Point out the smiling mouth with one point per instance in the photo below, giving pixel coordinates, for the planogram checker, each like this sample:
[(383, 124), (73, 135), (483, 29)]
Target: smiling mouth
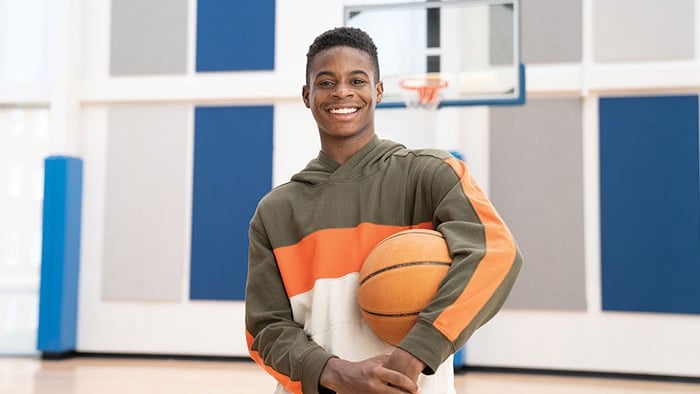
[(343, 111)]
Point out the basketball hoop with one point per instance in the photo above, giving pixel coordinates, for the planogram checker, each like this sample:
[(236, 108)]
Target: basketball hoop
[(422, 91)]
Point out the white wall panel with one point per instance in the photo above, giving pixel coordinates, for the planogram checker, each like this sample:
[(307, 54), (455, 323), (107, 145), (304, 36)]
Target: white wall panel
[(24, 142), (24, 45), (594, 342)]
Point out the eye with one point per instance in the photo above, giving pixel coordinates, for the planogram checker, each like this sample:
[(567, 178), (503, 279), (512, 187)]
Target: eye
[(358, 82), (326, 83)]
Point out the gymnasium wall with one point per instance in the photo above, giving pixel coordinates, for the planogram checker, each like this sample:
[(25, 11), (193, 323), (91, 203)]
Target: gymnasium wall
[(597, 175), (25, 140), (184, 119)]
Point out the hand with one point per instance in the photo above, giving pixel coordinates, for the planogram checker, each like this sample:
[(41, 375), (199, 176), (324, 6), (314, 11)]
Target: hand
[(365, 377)]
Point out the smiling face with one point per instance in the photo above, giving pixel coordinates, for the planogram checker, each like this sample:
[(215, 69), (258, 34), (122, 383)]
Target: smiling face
[(342, 94)]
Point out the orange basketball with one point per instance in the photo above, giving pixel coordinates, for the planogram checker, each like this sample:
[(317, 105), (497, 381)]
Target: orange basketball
[(399, 277)]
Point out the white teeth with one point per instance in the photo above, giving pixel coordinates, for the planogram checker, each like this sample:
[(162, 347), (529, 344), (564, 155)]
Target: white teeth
[(343, 110)]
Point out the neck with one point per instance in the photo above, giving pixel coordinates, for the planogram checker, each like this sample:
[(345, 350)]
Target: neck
[(343, 149)]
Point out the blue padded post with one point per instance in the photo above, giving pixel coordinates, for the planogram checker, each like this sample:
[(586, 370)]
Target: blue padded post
[(60, 255), (460, 358)]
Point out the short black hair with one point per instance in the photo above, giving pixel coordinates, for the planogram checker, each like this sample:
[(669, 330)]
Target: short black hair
[(344, 36)]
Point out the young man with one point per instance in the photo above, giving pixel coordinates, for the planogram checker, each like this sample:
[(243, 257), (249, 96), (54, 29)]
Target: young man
[(310, 236)]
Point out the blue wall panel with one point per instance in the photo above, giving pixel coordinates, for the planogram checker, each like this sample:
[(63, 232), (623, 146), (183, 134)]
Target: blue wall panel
[(235, 35), (232, 171), (60, 255), (650, 204)]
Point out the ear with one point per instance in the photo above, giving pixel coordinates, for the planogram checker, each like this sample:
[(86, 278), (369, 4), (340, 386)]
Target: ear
[(305, 95), (380, 91)]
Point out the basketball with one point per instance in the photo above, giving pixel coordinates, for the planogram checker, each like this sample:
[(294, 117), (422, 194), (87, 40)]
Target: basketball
[(399, 277)]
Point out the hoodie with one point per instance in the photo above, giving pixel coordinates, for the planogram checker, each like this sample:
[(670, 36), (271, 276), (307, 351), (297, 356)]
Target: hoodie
[(310, 236)]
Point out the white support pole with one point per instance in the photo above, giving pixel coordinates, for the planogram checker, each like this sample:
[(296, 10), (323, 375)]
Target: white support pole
[(64, 75)]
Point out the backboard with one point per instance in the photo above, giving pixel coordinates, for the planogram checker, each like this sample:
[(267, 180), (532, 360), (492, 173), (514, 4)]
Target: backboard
[(471, 45)]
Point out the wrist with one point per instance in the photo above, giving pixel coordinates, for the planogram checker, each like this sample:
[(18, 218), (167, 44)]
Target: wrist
[(404, 362), (330, 374)]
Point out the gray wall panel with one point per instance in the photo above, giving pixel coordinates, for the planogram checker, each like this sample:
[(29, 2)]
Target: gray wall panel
[(536, 183), (551, 31), (145, 210), (148, 37), (639, 30), (501, 34)]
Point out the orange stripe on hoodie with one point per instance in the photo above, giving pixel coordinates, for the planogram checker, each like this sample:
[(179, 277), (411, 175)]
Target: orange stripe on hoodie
[(293, 386), (330, 253), (493, 268)]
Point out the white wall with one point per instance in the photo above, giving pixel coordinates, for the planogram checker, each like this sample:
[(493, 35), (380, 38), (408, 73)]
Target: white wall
[(24, 142)]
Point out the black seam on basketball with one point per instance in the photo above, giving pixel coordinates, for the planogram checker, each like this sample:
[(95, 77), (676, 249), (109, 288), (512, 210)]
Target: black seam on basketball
[(375, 273), (390, 314)]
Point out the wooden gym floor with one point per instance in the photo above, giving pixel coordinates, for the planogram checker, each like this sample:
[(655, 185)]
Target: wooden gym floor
[(93, 375)]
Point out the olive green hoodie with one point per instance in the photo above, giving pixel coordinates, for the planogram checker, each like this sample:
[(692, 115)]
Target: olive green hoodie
[(310, 236)]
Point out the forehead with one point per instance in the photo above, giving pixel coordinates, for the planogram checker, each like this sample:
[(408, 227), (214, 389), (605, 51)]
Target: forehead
[(341, 58)]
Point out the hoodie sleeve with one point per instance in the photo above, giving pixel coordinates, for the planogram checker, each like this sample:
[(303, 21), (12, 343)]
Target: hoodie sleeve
[(485, 264), (275, 341)]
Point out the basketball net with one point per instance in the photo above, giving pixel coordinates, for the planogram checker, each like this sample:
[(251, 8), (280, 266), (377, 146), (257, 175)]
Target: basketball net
[(421, 94)]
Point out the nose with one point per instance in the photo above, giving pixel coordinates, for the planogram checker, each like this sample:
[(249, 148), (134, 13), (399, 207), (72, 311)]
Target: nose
[(343, 90)]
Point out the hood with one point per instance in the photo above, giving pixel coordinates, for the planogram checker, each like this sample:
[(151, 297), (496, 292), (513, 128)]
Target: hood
[(366, 161)]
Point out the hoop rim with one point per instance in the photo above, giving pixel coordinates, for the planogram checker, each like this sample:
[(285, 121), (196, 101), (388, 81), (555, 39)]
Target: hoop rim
[(426, 87), (421, 81)]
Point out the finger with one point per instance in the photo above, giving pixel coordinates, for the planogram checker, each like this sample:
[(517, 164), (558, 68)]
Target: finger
[(399, 381), (394, 389)]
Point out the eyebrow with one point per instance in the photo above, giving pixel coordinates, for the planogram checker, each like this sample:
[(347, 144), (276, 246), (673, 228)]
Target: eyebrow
[(332, 74)]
